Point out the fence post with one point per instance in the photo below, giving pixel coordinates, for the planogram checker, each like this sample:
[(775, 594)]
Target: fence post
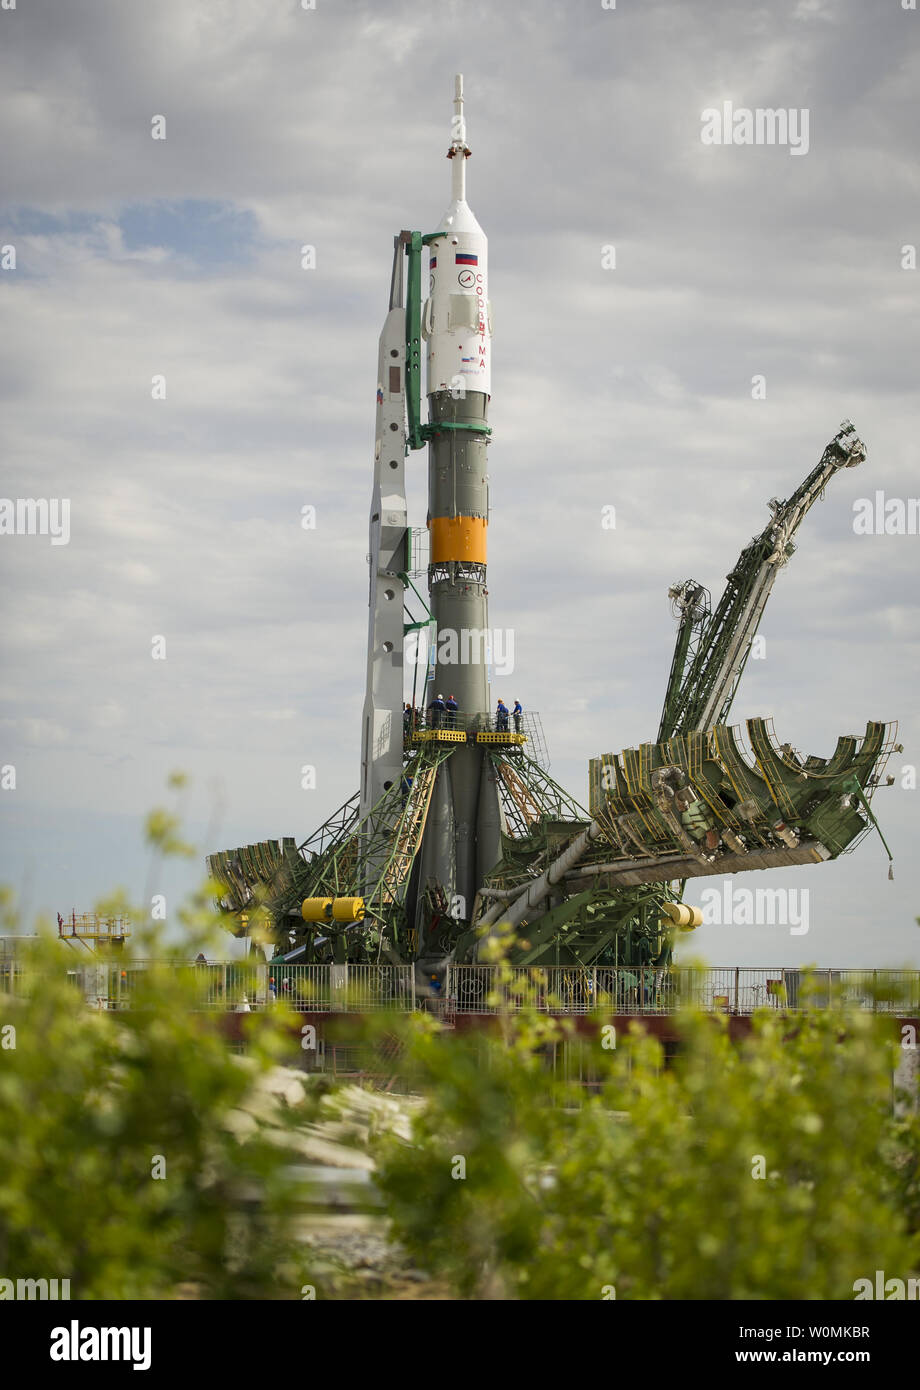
[(737, 973), (411, 969)]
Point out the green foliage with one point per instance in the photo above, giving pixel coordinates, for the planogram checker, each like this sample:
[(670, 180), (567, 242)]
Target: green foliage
[(903, 1155), (650, 1186), (138, 1155), (162, 831), (140, 1158), (120, 1168)]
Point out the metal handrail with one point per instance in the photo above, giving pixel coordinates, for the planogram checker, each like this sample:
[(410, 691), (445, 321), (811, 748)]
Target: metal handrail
[(229, 986)]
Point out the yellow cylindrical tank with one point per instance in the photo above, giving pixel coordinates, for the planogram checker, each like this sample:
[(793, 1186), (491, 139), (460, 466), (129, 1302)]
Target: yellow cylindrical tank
[(316, 909), (348, 910), (332, 909), (683, 916)]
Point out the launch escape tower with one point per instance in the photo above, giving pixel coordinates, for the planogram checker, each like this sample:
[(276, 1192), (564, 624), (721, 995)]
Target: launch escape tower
[(457, 826)]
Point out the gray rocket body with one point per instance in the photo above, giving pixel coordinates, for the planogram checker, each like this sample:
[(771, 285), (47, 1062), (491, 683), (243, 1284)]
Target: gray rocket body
[(459, 848)]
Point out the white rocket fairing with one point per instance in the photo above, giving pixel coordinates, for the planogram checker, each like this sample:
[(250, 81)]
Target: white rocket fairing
[(457, 318)]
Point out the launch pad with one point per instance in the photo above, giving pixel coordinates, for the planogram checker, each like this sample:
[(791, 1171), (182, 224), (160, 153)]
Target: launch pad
[(457, 829)]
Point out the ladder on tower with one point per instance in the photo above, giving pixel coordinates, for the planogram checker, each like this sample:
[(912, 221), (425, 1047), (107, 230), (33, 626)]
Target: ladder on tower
[(396, 871), (521, 803)]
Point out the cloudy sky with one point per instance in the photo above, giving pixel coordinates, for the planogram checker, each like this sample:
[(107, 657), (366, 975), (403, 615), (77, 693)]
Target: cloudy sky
[(628, 387)]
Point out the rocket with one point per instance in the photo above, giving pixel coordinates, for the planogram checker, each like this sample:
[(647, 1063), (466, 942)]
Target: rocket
[(461, 840)]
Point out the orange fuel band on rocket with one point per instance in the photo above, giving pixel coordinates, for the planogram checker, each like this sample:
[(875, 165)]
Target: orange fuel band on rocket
[(458, 538)]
